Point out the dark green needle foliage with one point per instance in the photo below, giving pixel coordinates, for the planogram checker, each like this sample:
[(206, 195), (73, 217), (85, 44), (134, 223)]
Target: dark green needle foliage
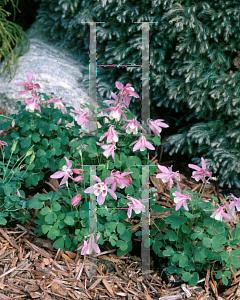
[(194, 66), (13, 40)]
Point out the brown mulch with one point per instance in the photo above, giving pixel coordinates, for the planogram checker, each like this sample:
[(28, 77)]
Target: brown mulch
[(30, 267)]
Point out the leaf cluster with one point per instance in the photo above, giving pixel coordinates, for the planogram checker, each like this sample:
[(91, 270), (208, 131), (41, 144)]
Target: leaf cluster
[(50, 141), (192, 241), (13, 204)]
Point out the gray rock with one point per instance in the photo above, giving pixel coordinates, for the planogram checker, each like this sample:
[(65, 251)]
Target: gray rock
[(53, 68)]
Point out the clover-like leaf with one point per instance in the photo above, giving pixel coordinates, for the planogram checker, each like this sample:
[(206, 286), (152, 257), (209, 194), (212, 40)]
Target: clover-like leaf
[(217, 242), (121, 228), (113, 239), (122, 245), (69, 220), (25, 142), (224, 275), (200, 254), (45, 210), (156, 246), (36, 137), (175, 221), (171, 236), (51, 217), (3, 221), (126, 236), (7, 189), (191, 278), (168, 251), (183, 261), (55, 206), (59, 243)]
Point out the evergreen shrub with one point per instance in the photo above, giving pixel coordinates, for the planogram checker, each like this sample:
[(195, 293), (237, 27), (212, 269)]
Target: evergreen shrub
[(11, 34), (194, 63)]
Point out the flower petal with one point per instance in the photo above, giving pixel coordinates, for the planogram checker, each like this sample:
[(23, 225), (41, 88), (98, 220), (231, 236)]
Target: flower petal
[(58, 174), (69, 164), (100, 199), (30, 76), (111, 192), (96, 178), (119, 85)]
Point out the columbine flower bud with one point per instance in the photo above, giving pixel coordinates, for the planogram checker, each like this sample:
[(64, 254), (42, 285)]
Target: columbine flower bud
[(59, 121), (76, 199), (32, 158), (29, 152), (98, 236), (14, 146), (80, 152)]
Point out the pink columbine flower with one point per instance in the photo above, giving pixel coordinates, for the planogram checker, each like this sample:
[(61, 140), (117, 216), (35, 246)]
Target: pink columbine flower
[(82, 118), (219, 213), (136, 205), (3, 144), (58, 104), (88, 248), (141, 144), (126, 91), (111, 134), (32, 104), (168, 175), (76, 199), (29, 86), (109, 149), (67, 172), (234, 204), (132, 126), (181, 200), (156, 125), (116, 112), (119, 180), (200, 173), (101, 189)]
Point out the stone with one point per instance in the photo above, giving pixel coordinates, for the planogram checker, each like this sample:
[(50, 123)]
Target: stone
[(53, 67)]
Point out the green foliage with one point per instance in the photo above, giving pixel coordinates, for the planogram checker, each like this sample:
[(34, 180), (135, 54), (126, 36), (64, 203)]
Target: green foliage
[(52, 146), (193, 59), (11, 35), (193, 240), (57, 219), (13, 204), (49, 140)]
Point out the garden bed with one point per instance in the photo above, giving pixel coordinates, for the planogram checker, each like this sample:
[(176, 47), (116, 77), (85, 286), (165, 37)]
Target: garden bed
[(32, 269)]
